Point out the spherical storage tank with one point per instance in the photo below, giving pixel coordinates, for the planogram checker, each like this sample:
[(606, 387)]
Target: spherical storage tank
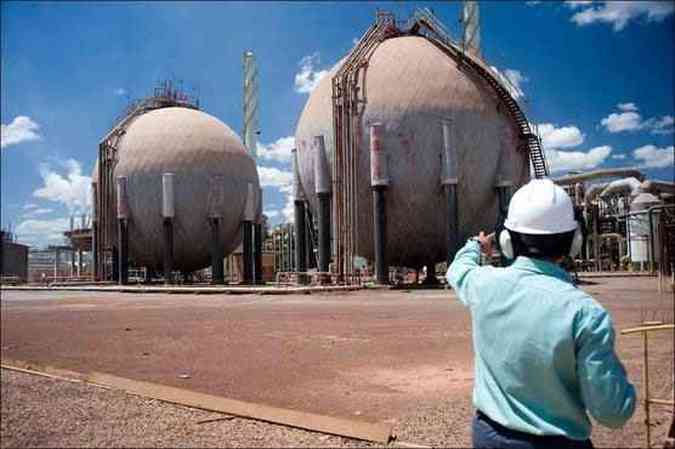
[(411, 86), (201, 152)]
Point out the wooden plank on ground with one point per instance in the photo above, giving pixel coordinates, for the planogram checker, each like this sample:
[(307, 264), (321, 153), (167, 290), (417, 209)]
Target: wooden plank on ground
[(360, 430)]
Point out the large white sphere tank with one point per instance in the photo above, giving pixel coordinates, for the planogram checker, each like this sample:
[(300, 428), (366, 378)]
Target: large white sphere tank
[(411, 86), (196, 147)]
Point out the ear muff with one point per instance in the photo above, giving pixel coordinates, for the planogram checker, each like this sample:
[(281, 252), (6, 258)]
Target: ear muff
[(505, 244), (577, 242)]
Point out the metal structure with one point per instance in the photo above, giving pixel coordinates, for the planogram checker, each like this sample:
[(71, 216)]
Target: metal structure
[(648, 400), (412, 79), (471, 23), (251, 127), (167, 133)]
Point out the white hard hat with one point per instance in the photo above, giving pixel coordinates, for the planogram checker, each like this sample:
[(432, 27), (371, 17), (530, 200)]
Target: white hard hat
[(540, 207)]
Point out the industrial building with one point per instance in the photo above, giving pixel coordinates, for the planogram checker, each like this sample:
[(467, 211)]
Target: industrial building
[(13, 260)]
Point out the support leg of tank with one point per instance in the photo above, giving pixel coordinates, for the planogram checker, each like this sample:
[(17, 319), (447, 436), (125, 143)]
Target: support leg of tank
[(168, 250), (123, 275), (257, 256), (431, 278), (380, 222), (94, 250), (216, 253), (115, 263), (248, 252), (300, 227), (80, 265), (453, 220), (324, 231)]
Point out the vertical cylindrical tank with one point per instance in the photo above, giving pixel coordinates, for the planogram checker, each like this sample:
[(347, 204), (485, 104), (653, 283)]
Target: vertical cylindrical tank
[(638, 226)]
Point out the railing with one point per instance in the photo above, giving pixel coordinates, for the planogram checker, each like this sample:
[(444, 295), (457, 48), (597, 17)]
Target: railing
[(647, 401)]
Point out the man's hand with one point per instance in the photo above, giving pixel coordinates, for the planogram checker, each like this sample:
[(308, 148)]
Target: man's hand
[(486, 243)]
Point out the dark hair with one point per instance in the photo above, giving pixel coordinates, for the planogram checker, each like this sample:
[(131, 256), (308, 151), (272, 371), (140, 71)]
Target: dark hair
[(549, 246)]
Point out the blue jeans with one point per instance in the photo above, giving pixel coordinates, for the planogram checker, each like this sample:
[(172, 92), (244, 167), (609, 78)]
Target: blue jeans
[(490, 434)]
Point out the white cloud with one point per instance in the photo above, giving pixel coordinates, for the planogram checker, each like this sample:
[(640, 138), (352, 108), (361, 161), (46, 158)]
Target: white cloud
[(273, 177), (120, 91), (281, 150), (309, 76), (574, 4), (512, 80), (651, 156), (21, 129), (30, 206), (619, 156), (72, 190), (38, 211), (42, 232), (271, 213), (533, 2), (627, 107), (619, 13), (288, 211), (577, 160), (664, 125), (631, 120), (553, 138), (624, 121)]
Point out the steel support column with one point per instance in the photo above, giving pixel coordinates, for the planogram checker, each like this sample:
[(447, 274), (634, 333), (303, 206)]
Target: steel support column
[(248, 251), (300, 252), (380, 236), (217, 274)]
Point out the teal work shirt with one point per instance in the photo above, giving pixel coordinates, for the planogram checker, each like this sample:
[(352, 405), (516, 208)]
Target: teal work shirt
[(544, 350)]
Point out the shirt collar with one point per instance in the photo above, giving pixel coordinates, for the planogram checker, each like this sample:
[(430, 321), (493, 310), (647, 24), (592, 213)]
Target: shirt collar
[(541, 267)]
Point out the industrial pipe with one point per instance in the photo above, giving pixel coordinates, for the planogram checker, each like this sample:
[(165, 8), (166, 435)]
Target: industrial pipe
[(658, 187), (123, 222), (630, 185), (379, 182), (605, 173), (168, 214), (449, 182), (323, 191)]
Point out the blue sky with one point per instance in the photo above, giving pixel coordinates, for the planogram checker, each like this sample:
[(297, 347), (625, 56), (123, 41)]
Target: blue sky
[(597, 78)]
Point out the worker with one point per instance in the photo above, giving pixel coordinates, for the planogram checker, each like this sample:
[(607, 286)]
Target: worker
[(544, 349)]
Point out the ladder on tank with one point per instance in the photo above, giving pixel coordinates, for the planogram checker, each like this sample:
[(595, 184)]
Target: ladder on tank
[(349, 97), (424, 18)]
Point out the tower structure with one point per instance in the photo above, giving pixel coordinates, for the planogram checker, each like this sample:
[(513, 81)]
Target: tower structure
[(251, 127), (471, 23)]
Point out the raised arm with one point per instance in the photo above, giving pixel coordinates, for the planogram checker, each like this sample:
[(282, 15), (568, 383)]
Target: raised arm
[(462, 270), (608, 395)]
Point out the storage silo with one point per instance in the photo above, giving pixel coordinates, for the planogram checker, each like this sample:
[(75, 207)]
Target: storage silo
[(412, 87)]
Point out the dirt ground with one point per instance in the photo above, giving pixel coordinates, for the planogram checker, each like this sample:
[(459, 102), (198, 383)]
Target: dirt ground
[(403, 357)]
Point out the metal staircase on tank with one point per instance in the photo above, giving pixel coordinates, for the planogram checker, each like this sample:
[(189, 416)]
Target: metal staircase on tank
[(425, 23)]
